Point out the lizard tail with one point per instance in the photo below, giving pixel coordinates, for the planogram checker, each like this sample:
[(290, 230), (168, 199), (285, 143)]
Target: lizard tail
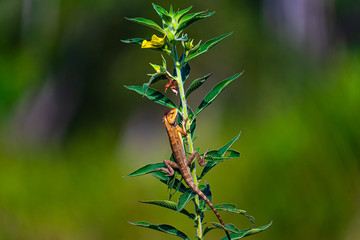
[(203, 196)]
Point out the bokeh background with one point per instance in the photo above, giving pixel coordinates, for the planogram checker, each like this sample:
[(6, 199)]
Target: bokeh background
[(69, 130)]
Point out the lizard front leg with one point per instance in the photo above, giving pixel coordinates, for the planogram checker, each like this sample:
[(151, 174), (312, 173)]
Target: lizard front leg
[(169, 169), (201, 160)]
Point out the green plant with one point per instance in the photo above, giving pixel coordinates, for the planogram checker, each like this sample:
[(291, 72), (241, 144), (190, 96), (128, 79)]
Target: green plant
[(174, 24)]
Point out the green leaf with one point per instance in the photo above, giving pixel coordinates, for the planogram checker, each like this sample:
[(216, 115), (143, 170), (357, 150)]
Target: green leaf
[(158, 67), (180, 13), (164, 15), (162, 228), (206, 190), (171, 11), (146, 169), (216, 157), (228, 227), (192, 128), (226, 207), (146, 22), (185, 71), (242, 233), (170, 205), (220, 155), (134, 40), (153, 95), (209, 165), (206, 46), (222, 151), (184, 199), (163, 61), (190, 18), (161, 11), (155, 78), (153, 170), (165, 179), (210, 97), (196, 84)]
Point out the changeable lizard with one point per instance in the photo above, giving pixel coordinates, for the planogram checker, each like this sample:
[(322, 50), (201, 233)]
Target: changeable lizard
[(175, 133)]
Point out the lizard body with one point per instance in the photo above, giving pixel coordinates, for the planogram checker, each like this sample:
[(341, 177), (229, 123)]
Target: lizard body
[(181, 163)]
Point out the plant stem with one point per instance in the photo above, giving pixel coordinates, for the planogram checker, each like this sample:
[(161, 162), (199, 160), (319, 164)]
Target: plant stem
[(185, 115)]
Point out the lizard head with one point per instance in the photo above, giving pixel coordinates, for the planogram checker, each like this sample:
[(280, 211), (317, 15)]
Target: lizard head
[(170, 116)]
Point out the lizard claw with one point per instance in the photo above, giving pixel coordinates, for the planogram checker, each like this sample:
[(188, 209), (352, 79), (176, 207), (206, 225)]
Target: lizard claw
[(206, 155), (183, 122)]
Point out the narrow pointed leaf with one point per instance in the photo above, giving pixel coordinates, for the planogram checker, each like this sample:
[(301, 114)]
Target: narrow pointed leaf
[(228, 227), (171, 184), (170, 205), (222, 151), (162, 13), (227, 208), (206, 46), (220, 155), (184, 199), (166, 179), (171, 10), (185, 71), (196, 84), (146, 22), (209, 165), (232, 208), (158, 68), (163, 61), (207, 192), (246, 232), (192, 128), (216, 157), (137, 41), (210, 97), (146, 169), (160, 10), (153, 95), (156, 77), (191, 18), (178, 184), (162, 228), (182, 12)]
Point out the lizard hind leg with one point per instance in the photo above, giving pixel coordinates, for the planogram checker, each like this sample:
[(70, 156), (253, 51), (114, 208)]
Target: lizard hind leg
[(201, 160), (169, 169)]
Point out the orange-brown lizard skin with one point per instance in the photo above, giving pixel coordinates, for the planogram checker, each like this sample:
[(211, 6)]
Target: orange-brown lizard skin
[(175, 133)]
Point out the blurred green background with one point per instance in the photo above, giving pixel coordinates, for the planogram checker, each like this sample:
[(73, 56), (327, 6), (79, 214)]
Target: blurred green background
[(70, 130)]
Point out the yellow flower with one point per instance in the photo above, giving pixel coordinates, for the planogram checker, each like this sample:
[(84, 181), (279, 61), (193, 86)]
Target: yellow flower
[(155, 42)]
